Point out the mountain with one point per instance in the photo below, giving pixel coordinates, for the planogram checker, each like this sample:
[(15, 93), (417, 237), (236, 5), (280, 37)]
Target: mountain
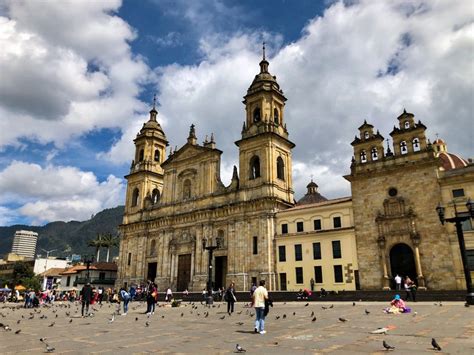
[(68, 237)]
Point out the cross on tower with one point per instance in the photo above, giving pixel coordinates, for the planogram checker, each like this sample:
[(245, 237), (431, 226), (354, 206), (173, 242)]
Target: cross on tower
[(263, 50), (154, 101)]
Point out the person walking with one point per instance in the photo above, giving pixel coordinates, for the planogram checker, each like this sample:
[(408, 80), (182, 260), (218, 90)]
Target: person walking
[(169, 295), (311, 282), (150, 299), (410, 289), (230, 298), (398, 282), (258, 300), (125, 296), (86, 297)]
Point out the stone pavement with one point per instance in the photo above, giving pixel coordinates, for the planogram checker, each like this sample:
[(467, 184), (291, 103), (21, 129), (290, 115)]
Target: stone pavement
[(187, 330)]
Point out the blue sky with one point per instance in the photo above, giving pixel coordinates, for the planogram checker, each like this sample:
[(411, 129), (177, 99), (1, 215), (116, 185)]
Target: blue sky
[(72, 100)]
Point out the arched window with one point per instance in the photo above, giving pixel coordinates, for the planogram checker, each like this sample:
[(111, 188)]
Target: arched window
[(256, 114), (135, 197), (366, 135), (280, 169), (363, 157), (141, 155), (276, 116), (403, 147), (153, 247), (254, 167), (187, 188), (407, 124), (157, 155), (155, 196), (416, 144), (374, 153)]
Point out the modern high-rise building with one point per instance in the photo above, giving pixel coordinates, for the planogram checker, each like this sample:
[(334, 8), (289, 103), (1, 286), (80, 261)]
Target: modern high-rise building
[(24, 243)]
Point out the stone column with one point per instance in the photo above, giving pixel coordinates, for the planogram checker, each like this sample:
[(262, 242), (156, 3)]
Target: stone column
[(415, 238), (385, 278)]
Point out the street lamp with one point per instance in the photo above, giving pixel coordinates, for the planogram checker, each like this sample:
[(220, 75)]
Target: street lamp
[(210, 249), (88, 260), (457, 220)]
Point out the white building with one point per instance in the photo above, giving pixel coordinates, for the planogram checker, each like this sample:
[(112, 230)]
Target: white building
[(44, 264), (24, 243)]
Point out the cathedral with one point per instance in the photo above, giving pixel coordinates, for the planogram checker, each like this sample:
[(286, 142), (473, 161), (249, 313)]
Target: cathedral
[(177, 208)]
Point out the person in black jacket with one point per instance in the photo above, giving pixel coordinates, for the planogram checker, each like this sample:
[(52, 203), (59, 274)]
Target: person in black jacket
[(86, 297), (230, 298)]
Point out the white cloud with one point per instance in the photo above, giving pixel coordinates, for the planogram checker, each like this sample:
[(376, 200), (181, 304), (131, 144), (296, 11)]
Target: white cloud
[(56, 193), (66, 71), (364, 61)]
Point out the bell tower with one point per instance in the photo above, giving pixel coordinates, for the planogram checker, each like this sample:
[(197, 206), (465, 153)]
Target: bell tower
[(145, 180), (264, 150)]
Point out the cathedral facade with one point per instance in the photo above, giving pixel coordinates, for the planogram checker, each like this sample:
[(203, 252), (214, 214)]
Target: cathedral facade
[(177, 206)]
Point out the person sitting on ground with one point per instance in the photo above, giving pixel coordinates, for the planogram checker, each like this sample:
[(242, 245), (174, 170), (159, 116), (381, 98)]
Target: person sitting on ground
[(397, 305)]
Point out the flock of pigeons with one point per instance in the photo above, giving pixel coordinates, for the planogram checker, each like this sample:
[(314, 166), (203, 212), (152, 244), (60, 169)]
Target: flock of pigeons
[(196, 309)]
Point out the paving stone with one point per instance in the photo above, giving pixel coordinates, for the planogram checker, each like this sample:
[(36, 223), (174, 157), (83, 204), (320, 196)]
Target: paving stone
[(452, 325)]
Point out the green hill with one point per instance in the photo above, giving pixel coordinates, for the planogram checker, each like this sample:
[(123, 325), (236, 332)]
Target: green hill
[(67, 237)]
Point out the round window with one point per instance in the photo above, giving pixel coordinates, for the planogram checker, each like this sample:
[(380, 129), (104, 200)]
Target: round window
[(392, 192)]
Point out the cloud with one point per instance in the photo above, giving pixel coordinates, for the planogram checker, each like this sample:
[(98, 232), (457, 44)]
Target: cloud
[(56, 192), (171, 39), (71, 75), (349, 65)]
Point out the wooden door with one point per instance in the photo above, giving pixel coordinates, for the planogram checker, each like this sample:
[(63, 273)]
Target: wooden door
[(184, 272)]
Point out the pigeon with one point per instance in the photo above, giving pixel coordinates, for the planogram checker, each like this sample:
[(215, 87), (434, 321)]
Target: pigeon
[(284, 316), (435, 344), (18, 321), (112, 319), (7, 328), (324, 307), (239, 349), (42, 340), (380, 331), (70, 321), (182, 314), (306, 305), (294, 313), (342, 319), (240, 323), (136, 319), (18, 331), (353, 304), (277, 317), (206, 315), (147, 324), (49, 349), (387, 347), (331, 306), (313, 320), (222, 317), (52, 324), (367, 312), (312, 314)]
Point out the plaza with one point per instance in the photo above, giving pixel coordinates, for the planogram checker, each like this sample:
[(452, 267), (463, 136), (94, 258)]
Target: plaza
[(289, 325)]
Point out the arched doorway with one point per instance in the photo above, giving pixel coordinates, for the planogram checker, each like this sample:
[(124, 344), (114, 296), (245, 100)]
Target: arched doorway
[(402, 261)]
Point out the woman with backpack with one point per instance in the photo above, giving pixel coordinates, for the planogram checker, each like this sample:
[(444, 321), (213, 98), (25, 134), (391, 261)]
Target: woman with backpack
[(230, 298)]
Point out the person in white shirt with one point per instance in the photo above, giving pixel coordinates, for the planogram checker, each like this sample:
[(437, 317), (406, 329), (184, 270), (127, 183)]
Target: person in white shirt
[(398, 282), (258, 298)]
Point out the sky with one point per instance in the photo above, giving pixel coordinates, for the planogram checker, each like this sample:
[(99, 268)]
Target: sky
[(77, 80)]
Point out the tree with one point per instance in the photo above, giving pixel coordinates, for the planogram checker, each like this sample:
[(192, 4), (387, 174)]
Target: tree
[(97, 244), (110, 241)]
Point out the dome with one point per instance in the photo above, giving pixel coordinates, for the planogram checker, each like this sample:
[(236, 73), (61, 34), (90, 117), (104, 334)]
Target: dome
[(451, 161), (312, 196)]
